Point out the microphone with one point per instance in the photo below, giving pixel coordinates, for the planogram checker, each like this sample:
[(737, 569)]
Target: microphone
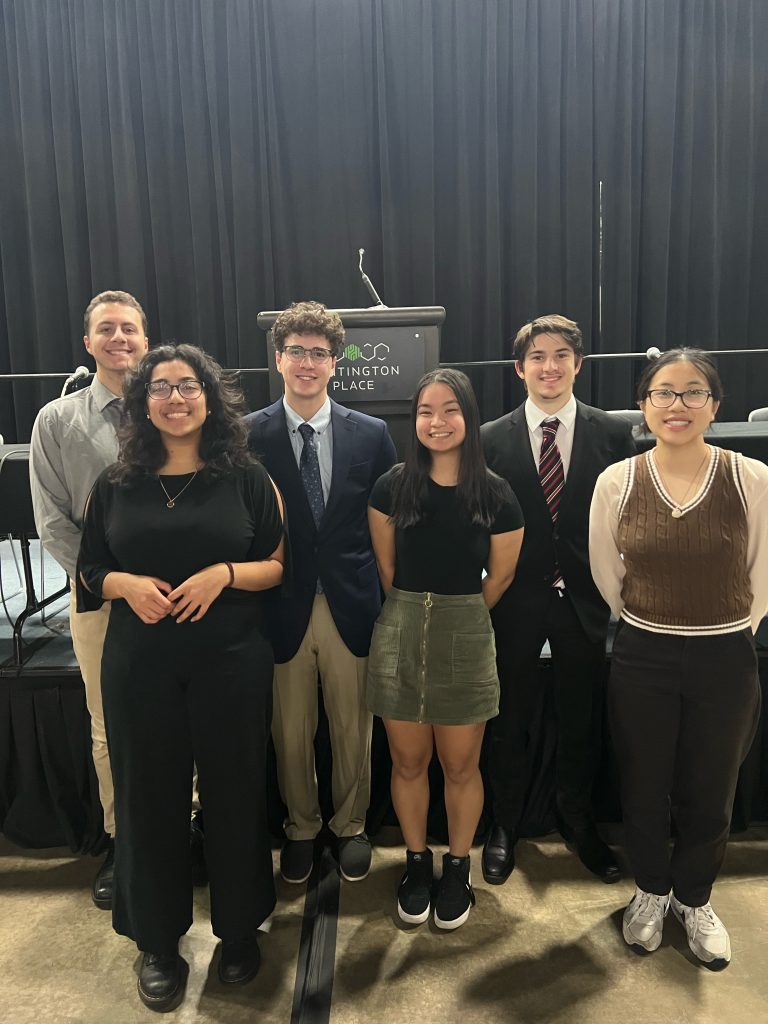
[(80, 373), (653, 353), (367, 282)]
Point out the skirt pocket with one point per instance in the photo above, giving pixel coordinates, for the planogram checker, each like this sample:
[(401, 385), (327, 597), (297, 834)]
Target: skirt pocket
[(473, 658), (384, 655)]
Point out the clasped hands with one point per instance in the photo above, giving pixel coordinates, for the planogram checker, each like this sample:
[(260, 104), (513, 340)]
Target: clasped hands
[(152, 598)]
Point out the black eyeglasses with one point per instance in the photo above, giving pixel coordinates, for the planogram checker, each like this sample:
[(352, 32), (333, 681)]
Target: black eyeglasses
[(162, 389), (297, 353), (694, 398)]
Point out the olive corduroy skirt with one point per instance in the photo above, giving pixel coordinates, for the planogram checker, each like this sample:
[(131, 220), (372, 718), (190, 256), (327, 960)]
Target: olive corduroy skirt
[(433, 660)]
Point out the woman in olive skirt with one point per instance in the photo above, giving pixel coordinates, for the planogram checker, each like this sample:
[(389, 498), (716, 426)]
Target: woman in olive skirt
[(447, 533)]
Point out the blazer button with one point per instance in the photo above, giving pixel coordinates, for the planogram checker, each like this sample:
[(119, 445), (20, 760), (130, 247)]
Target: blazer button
[(547, 578)]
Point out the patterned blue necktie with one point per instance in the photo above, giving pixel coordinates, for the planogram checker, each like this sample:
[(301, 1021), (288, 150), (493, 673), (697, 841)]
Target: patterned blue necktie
[(309, 467)]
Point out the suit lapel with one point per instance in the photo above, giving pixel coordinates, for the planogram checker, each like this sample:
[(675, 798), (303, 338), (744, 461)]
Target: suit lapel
[(582, 428), (344, 430), (529, 470)]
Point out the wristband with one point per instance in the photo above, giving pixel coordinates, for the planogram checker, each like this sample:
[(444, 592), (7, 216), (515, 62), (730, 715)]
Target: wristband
[(231, 574)]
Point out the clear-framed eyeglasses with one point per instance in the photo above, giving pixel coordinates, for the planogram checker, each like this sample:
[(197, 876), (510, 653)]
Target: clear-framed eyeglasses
[(664, 398), (160, 389), (297, 353)]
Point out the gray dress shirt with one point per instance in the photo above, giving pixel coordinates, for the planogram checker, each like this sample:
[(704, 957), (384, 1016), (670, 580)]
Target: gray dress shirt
[(74, 438)]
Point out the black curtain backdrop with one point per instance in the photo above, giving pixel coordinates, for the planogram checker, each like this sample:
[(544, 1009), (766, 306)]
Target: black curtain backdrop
[(219, 157)]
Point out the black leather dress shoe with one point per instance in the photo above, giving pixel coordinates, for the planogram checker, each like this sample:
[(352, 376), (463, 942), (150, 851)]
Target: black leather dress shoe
[(162, 981), (596, 856), (101, 891), (498, 855), (197, 850), (239, 961)]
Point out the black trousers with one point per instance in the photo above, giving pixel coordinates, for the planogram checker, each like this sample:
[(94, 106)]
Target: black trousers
[(579, 677), (173, 694), (683, 713)]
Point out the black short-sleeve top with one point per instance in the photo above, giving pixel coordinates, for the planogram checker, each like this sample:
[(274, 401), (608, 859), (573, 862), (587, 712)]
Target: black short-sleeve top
[(129, 528), (445, 552)]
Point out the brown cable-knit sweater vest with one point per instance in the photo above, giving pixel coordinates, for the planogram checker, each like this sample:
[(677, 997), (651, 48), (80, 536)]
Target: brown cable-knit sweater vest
[(685, 575)]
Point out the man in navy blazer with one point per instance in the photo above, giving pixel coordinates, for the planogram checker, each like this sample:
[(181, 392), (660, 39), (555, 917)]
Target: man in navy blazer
[(553, 596), (325, 459)]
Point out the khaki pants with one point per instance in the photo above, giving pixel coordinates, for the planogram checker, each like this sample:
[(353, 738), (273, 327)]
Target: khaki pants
[(88, 630), (294, 725)]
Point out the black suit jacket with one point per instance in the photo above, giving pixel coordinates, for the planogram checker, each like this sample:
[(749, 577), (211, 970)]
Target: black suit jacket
[(340, 551), (598, 441)]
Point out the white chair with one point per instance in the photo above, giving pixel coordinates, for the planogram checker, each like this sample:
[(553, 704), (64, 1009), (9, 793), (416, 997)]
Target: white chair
[(634, 416), (758, 414)]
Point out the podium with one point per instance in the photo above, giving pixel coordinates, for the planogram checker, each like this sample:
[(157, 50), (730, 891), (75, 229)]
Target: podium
[(386, 351)]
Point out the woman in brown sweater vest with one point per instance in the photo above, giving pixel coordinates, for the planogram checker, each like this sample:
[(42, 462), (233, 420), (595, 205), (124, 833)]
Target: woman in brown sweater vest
[(679, 549)]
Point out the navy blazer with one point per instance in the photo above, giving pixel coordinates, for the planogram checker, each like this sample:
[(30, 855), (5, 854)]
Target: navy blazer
[(339, 552), (599, 440)]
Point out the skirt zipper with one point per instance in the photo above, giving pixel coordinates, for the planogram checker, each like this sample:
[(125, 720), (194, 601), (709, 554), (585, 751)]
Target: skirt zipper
[(424, 631)]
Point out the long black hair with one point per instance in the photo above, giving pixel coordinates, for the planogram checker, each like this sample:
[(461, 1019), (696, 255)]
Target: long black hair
[(224, 440), (479, 490)]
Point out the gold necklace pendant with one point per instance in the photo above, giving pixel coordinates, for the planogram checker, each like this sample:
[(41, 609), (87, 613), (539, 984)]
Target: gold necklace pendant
[(171, 503)]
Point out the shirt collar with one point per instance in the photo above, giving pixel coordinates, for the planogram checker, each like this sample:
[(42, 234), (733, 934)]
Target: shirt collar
[(319, 422), (535, 416), (102, 396)]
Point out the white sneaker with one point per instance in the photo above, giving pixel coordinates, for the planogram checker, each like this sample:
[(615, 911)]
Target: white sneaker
[(644, 921), (707, 935)]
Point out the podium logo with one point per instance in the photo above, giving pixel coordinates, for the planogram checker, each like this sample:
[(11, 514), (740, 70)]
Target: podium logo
[(361, 367), (367, 352)]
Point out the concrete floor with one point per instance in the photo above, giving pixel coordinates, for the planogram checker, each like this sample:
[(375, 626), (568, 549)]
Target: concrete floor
[(546, 947)]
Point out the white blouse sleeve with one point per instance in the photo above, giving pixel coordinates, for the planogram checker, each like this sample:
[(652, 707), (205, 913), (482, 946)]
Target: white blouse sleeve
[(754, 477), (605, 559)]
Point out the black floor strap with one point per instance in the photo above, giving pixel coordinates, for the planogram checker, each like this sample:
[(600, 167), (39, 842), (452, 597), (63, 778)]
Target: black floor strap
[(317, 948)]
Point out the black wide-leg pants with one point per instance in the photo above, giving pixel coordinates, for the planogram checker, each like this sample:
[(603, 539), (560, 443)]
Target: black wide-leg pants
[(579, 678), (174, 694), (683, 713)]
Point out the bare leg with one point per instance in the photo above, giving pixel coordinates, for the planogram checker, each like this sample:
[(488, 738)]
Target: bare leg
[(458, 747), (410, 745)]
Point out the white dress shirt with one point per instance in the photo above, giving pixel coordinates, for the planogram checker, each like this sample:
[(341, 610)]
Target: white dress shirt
[(535, 416)]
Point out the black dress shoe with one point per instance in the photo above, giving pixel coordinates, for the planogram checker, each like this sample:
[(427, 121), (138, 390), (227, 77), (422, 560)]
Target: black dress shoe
[(596, 856), (101, 891), (197, 850), (296, 860), (239, 961), (498, 855), (162, 981)]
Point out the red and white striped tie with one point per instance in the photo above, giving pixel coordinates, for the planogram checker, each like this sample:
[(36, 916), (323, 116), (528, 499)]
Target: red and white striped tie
[(552, 477)]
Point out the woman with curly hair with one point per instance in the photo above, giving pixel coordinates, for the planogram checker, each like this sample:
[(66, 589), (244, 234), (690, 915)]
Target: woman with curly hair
[(182, 534)]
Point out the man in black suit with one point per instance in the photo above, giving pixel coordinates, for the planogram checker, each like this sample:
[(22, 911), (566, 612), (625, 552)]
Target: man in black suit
[(325, 459), (551, 449)]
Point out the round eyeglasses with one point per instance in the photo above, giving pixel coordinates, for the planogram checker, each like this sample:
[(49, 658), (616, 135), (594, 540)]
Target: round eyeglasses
[(187, 389), (664, 398), (297, 353)]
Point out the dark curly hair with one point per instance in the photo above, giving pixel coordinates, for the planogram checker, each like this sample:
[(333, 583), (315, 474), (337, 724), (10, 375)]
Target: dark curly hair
[(224, 442), (309, 318)]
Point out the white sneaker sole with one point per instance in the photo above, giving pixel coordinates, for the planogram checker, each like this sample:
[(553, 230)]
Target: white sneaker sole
[(296, 881), (413, 918), (457, 922), (353, 878)]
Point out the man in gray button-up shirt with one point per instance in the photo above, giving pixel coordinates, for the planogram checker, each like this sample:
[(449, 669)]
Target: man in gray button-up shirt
[(74, 438)]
